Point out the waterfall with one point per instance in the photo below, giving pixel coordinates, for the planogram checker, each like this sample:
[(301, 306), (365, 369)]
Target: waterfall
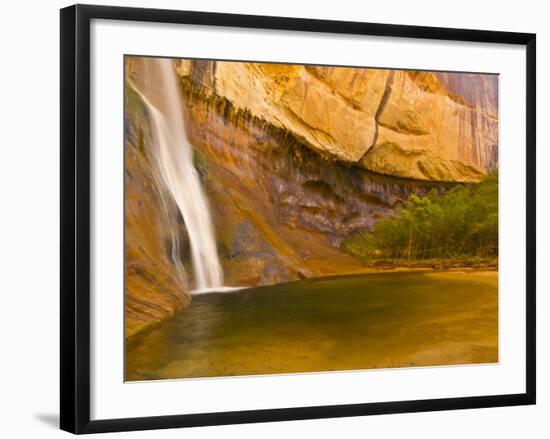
[(174, 155)]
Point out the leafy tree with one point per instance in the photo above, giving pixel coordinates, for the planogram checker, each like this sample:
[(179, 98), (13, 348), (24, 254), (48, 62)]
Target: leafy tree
[(461, 222)]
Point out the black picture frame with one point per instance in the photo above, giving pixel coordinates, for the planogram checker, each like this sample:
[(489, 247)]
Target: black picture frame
[(75, 217)]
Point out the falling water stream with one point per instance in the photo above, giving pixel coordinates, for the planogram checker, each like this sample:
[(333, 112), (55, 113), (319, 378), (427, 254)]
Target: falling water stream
[(174, 155)]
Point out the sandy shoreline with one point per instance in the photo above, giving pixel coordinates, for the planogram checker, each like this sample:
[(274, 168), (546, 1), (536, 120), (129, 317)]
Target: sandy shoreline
[(407, 269)]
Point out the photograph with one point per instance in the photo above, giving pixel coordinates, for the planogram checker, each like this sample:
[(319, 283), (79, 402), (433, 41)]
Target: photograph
[(288, 218), (267, 220)]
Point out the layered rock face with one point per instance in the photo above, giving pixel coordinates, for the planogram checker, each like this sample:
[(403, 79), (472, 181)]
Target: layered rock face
[(419, 125), (280, 210), (155, 282)]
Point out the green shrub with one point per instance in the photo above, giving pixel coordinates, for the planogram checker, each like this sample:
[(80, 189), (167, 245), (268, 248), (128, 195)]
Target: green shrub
[(462, 222)]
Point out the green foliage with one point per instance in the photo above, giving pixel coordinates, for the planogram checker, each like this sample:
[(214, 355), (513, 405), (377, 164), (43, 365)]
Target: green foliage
[(200, 162), (360, 245), (462, 222), (136, 121), (134, 105)]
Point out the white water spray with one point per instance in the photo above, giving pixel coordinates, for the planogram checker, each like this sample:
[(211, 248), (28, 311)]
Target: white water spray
[(174, 154)]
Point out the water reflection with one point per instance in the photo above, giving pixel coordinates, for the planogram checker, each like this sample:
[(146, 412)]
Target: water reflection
[(327, 324)]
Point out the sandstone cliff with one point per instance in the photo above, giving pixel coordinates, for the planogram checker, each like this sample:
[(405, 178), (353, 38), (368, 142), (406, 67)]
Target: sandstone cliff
[(280, 211), (155, 284), (420, 125)]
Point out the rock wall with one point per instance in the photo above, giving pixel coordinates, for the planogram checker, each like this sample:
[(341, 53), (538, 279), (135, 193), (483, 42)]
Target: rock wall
[(419, 125), (280, 209), (155, 284)]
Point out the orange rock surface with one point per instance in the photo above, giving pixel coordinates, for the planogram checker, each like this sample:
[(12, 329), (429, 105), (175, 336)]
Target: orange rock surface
[(420, 125)]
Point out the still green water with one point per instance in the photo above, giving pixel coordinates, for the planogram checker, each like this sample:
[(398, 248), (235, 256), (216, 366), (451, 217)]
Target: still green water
[(338, 323)]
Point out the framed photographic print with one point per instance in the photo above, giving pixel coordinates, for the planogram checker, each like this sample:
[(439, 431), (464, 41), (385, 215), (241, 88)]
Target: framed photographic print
[(269, 218)]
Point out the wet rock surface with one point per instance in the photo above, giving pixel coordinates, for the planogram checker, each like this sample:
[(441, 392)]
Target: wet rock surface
[(280, 209), (155, 284)]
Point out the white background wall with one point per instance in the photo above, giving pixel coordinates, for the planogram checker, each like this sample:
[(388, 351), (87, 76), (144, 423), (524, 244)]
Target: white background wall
[(29, 248)]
